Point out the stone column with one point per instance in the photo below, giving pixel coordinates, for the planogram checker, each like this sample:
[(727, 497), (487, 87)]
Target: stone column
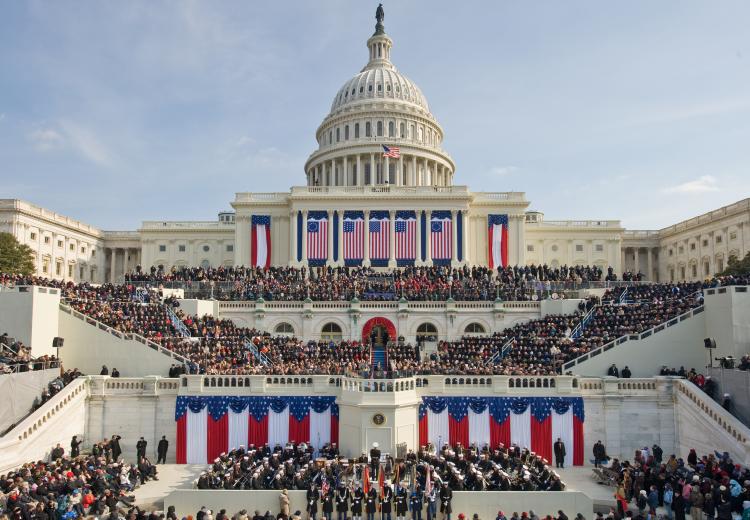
[(636, 259), (372, 169), (341, 238), (292, 237), (330, 237), (360, 173), (304, 237), (366, 259), (414, 177), (386, 171), (333, 173), (112, 260), (649, 265), (427, 242), (418, 235), (400, 178), (346, 172), (454, 238), (392, 240), (465, 236)]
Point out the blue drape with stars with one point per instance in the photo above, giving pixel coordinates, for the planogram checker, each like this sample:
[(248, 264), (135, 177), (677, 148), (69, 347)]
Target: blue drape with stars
[(258, 406)]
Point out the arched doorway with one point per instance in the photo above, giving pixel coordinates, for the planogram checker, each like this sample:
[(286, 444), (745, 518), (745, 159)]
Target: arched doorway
[(376, 333)]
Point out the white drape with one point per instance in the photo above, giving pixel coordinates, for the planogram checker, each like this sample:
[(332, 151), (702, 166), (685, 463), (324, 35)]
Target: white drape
[(562, 427), (320, 428), (520, 428), (197, 436), (261, 246), (479, 427), (437, 427), (238, 426), (278, 427), (497, 245)]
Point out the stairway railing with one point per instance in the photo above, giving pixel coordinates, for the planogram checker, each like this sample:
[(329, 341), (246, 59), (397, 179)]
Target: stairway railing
[(578, 329), (249, 345), (501, 352), (177, 323)]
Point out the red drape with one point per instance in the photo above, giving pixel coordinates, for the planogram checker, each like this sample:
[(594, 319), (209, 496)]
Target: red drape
[(504, 247), (299, 431), (268, 246), (499, 432), (424, 433), (217, 438), (258, 431), (458, 431), (253, 244), (334, 429), (577, 441), (182, 440), (541, 437)]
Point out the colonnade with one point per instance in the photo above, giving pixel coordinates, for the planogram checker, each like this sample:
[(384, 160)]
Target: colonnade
[(368, 170), (458, 250)]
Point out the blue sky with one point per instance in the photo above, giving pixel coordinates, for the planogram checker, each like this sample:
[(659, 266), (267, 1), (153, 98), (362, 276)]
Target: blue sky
[(118, 112)]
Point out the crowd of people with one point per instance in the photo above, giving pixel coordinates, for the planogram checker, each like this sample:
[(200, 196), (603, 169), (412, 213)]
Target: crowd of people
[(709, 487), (345, 283), (68, 487), (16, 357)]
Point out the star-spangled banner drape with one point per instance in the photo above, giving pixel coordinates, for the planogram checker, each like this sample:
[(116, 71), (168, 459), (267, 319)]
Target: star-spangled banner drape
[(441, 237), (260, 241), (354, 237), (379, 233), (531, 422), (317, 237), (406, 237), (209, 426)]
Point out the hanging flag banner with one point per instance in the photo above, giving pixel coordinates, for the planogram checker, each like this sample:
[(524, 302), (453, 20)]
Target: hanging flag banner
[(497, 245), (354, 237), (260, 241), (317, 237), (406, 237), (379, 238)]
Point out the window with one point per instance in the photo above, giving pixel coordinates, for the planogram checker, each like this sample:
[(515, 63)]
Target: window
[(732, 236), (474, 328), (330, 137), (356, 130), (599, 248), (331, 332), (380, 87), (694, 271), (45, 265), (338, 135), (388, 87), (426, 332), (718, 239), (58, 268), (579, 248), (369, 87), (361, 89), (70, 271), (162, 248), (391, 129), (554, 248), (46, 240), (705, 243), (33, 236), (230, 248), (59, 243), (402, 129), (681, 249), (181, 248), (346, 133), (692, 246), (380, 128), (93, 253), (91, 274), (670, 252), (83, 250), (530, 248), (72, 247), (284, 328), (720, 265), (682, 272), (368, 129), (206, 248), (706, 269), (80, 272)]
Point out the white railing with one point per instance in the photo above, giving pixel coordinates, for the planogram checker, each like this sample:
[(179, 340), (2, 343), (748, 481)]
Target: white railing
[(124, 335), (633, 337), (578, 329), (715, 413)]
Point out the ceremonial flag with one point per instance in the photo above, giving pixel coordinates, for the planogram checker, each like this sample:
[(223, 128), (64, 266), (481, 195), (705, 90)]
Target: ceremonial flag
[(497, 246), (354, 237), (379, 237), (391, 151), (441, 236), (406, 237), (317, 236), (260, 241)]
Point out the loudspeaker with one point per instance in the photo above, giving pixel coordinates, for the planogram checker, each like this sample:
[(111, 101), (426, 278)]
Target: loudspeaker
[(709, 343), (57, 342)]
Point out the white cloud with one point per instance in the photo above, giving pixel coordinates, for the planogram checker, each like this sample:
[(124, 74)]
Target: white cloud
[(702, 184), (46, 139), (85, 143), (502, 171)]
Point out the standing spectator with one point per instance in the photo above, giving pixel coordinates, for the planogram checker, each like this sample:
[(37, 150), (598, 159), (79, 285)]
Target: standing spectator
[(559, 450), (678, 506), (284, 502), (446, 497), (626, 372), (114, 445), (600, 454), (105, 371), (75, 446), (161, 450), (115, 372), (140, 448), (613, 371)]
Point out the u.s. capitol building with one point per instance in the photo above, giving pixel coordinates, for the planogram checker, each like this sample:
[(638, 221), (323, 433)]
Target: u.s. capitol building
[(379, 191)]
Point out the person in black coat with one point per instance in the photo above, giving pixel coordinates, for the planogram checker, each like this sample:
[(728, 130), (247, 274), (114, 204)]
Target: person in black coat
[(371, 506), (342, 502), (374, 460), (402, 502), (75, 444), (114, 445), (104, 371), (613, 371), (140, 448), (328, 504), (678, 506), (313, 495), (386, 501), (559, 449), (600, 454), (357, 498), (161, 450), (415, 505), (446, 497)]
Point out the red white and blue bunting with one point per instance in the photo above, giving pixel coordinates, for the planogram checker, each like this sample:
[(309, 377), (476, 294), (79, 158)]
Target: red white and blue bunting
[(533, 422), (209, 426)]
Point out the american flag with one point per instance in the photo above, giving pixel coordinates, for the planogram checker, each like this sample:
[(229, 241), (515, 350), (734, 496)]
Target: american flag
[(406, 234), (354, 233), (317, 238), (379, 237), (391, 151), (441, 237)]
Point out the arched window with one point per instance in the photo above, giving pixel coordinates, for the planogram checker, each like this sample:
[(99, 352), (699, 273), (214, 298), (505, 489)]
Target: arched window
[(368, 129), (331, 332), (426, 332), (380, 128), (403, 131), (205, 264), (391, 130), (284, 328), (338, 135), (346, 133), (356, 130), (474, 328)]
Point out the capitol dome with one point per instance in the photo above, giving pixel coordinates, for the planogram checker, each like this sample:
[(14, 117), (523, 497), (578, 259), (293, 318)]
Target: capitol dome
[(380, 130)]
